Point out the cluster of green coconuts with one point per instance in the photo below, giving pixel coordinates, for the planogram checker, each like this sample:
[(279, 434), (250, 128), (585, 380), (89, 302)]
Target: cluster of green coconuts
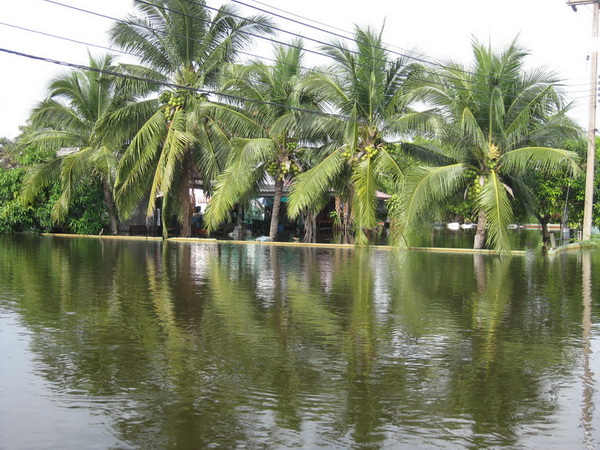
[(362, 155), (474, 188), (281, 168), (173, 100)]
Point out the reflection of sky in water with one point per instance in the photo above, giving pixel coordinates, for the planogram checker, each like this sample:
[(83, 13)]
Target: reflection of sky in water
[(33, 414)]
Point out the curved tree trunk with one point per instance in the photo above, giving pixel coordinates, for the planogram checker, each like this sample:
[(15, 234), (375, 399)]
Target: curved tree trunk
[(276, 208), (110, 206), (479, 242)]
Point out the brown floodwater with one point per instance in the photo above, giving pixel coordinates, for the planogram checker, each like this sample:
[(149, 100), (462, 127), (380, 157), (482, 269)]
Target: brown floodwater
[(146, 344)]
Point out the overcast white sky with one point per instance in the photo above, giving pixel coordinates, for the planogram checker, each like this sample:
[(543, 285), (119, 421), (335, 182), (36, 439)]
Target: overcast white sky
[(556, 36)]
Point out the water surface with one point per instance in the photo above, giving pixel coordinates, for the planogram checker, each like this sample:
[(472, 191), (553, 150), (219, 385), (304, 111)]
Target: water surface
[(144, 344)]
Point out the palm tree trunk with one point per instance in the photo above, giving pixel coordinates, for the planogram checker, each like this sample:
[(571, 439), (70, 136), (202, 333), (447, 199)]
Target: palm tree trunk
[(110, 206), (276, 208), (186, 226), (238, 231), (337, 224), (479, 242), (187, 204), (310, 227), (347, 215), (543, 220)]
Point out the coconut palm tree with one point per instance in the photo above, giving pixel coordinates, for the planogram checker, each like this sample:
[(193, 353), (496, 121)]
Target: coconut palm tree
[(369, 97), (182, 44), (70, 118), (501, 123), (265, 120)]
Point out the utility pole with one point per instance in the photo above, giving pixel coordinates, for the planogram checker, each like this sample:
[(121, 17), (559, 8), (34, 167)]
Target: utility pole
[(588, 203)]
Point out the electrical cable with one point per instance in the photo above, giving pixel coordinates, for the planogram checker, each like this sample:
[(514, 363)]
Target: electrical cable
[(260, 37), (133, 55), (75, 41), (112, 18), (175, 86), (433, 63), (168, 84)]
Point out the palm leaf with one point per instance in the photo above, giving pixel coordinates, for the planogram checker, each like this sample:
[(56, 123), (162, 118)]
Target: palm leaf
[(542, 159), (39, 178), (386, 165), (424, 196), (104, 162), (364, 201), (243, 172), (494, 201), (312, 185), (137, 165), (74, 167)]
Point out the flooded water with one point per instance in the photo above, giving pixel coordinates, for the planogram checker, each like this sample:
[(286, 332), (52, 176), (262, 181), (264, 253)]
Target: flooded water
[(144, 344)]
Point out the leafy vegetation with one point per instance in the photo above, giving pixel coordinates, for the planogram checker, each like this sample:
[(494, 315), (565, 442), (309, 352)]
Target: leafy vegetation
[(488, 143), (500, 124), (264, 124), (183, 44), (67, 124), (88, 214), (372, 95)]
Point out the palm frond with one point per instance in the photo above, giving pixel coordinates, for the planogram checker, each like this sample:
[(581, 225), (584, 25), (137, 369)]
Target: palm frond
[(104, 162), (473, 132), (542, 159), (174, 147), (244, 170), (49, 113), (387, 165), (312, 185), (364, 201), (121, 125), (74, 167), (138, 164), (426, 153), (38, 178), (424, 195), (494, 201), (54, 139)]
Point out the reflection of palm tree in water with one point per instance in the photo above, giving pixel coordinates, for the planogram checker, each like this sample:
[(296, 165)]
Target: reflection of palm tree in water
[(492, 302)]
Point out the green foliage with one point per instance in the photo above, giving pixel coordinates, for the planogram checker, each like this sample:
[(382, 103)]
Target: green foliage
[(500, 124), (14, 215), (88, 214), (375, 94), (577, 186), (71, 120), (177, 144), (545, 195), (264, 130)]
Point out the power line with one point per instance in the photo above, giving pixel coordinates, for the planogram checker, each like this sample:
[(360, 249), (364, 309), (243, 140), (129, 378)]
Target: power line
[(167, 83), (386, 48), (443, 76), (185, 37), (180, 87), (131, 54), (262, 37), (75, 41)]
